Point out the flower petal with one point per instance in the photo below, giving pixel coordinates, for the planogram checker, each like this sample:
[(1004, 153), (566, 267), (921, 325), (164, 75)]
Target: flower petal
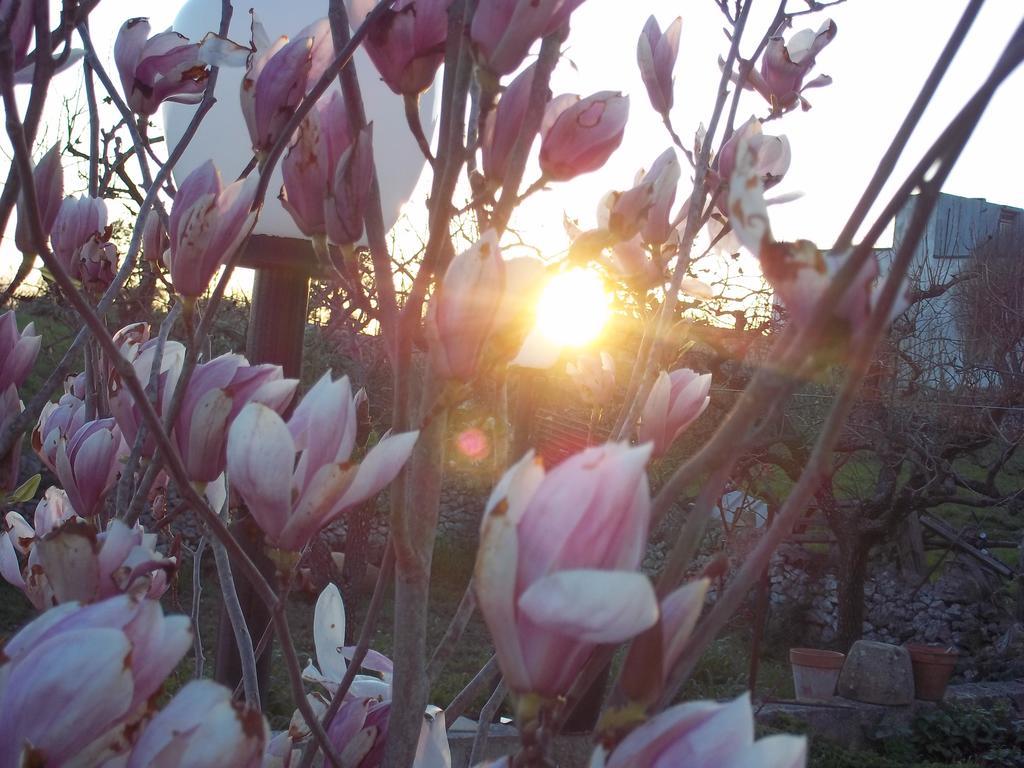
[(260, 461), (384, 461), (329, 633), (495, 583), (592, 606)]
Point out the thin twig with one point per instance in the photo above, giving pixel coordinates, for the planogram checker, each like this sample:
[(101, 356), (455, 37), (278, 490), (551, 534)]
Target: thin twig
[(693, 224), (955, 138), (118, 102), (153, 392), (22, 160), (483, 727), (465, 697), (412, 117), (299, 693), (250, 679), (771, 384), (899, 141), (197, 594), (373, 218), (540, 95), (44, 69), (453, 634), (56, 378)]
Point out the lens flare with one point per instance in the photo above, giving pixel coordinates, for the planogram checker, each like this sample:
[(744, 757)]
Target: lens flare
[(473, 444), (573, 308)]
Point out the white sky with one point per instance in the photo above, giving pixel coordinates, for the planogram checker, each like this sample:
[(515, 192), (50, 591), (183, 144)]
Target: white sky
[(881, 55)]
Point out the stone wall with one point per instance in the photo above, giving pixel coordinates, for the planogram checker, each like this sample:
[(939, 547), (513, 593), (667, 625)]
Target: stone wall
[(962, 608)]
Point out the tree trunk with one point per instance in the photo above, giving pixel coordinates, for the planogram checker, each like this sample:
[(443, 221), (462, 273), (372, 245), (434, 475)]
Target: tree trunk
[(853, 564), (357, 558)]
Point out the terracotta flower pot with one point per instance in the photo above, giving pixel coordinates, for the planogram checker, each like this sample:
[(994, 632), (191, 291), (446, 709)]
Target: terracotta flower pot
[(933, 666), (815, 673)]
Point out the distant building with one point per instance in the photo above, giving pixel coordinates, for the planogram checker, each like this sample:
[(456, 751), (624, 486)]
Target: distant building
[(957, 226)]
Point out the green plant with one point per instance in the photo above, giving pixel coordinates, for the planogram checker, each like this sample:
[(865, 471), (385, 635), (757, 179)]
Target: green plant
[(949, 733), (1004, 757)]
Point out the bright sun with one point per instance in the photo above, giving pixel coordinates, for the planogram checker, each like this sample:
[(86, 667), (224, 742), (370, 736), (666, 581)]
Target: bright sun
[(573, 308)]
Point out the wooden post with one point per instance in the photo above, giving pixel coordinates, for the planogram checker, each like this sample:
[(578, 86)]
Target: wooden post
[(1020, 581), (911, 547), (762, 602), (277, 326), (526, 409)]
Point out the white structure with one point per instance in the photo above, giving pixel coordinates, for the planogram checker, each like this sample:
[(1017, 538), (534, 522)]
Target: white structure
[(397, 156), (739, 507), (956, 227)]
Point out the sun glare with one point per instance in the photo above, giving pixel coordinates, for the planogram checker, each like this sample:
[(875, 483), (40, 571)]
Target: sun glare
[(573, 308)]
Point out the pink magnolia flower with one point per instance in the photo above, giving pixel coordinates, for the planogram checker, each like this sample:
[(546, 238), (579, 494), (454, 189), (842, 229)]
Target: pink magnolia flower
[(216, 393), (96, 264), (656, 56), (331, 653), (556, 572), (360, 731), (18, 351), (18, 14), (52, 511), (799, 272), (628, 259), (88, 464), (127, 339), (155, 241), (278, 75), (652, 656), (463, 308), (635, 264), (309, 166), (504, 125), (786, 64), (48, 178), (406, 43), (646, 208), (101, 663), (704, 734), (281, 752), (594, 374), (503, 30), (77, 221), (57, 421), (67, 560), (675, 402), (123, 406), (202, 727), (19, 537), (298, 477), (525, 277), (580, 138), (349, 190), (164, 67), (207, 224), (772, 153), (16, 537)]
